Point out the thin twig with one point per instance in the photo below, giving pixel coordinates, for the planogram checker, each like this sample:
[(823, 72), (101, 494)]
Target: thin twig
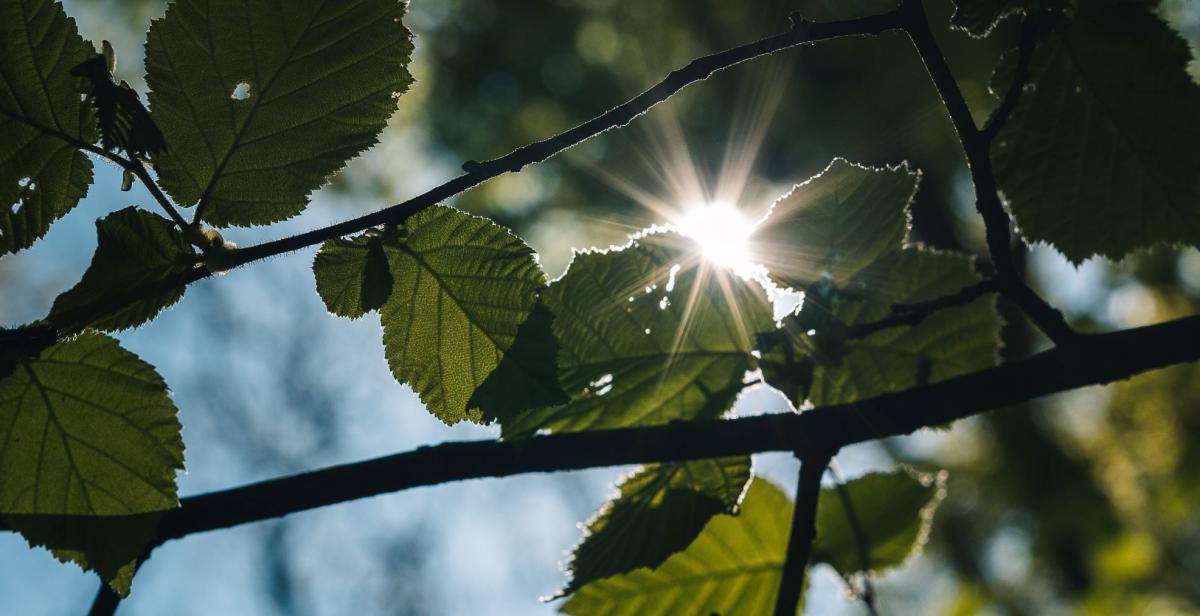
[(803, 532), (133, 166), (912, 314), (1025, 45), (860, 539), (987, 195), (1094, 359)]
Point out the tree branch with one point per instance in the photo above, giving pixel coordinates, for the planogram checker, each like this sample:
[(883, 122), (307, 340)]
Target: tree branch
[(1093, 359), (977, 149), (800, 539)]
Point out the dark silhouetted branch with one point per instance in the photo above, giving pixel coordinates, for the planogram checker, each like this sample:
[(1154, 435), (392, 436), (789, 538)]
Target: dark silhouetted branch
[(976, 147), (912, 314), (1025, 45), (800, 539)]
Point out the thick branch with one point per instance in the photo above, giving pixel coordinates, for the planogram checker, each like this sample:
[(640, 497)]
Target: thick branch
[(800, 539), (1092, 360), (977, 148)]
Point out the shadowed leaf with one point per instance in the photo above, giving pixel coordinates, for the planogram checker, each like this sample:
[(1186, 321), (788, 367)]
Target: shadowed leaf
[(352, 275), (527, 377), (42, 175)]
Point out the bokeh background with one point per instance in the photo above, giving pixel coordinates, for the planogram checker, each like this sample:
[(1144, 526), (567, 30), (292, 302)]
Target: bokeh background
[(1081, 503)]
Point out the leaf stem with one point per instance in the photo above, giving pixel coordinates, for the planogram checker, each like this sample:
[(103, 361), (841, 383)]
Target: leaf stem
[(804, 531), (860, 539), (912, 314), (977, 148)]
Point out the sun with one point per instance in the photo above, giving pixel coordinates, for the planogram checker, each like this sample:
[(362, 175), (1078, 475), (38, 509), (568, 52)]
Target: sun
[(722, 234)]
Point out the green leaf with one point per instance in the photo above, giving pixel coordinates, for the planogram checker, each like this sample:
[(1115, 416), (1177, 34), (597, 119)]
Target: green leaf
[(946, 344), (1099, 157), (108, 545), (42, 174), (527, 377), (462, 287), (137, 251), (887, 521), (658, 511), (88, 429), (836, 224), (979, 17), (733, 568), (352, 275), (649, 335), (261, 102)]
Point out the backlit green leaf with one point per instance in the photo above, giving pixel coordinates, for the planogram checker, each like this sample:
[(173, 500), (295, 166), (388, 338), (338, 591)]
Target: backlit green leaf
[(42, 174), (1100, 155), (658, 511), (836, 224), (978, 17), (649, 335), (733, 568), (527, 377), (352, 275), (462, 287), (887, 521), (139, 253), (88, 430), (261, 102)]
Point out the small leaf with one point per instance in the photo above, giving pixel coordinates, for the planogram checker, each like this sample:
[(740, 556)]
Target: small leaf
[(352, 275), (657, 512), (261, 102), (108, 545), (527, 377), (462, 287), (892, 513), (1099, 157), (733, 568), (89, 429), (42, 174), (649, 335), (836, 224), (979, 17), (139, 254)]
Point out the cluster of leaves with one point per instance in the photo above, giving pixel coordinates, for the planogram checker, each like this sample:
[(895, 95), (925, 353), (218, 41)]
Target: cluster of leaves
[(260, 106)]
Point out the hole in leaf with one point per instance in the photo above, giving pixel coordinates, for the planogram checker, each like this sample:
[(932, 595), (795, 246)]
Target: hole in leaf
[(25, 183), (602, 385), (241, 91)]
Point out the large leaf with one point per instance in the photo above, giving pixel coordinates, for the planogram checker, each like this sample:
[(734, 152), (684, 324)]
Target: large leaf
[(462, 286), (657, 512), (352, 275), (1100, 156), (261, 102), (527, 377), (836, 224), (42, 174), (979, 17), (89, 429), (733, 568), (876, 521), (139, 253), (649, 335)]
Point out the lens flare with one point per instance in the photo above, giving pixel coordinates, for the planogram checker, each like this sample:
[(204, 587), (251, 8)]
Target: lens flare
[(722, 234)]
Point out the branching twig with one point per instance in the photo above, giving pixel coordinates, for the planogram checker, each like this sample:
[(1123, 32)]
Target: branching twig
[(800, 539), (1012, 96), (912, 314), (133, 166), (979, 161)]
